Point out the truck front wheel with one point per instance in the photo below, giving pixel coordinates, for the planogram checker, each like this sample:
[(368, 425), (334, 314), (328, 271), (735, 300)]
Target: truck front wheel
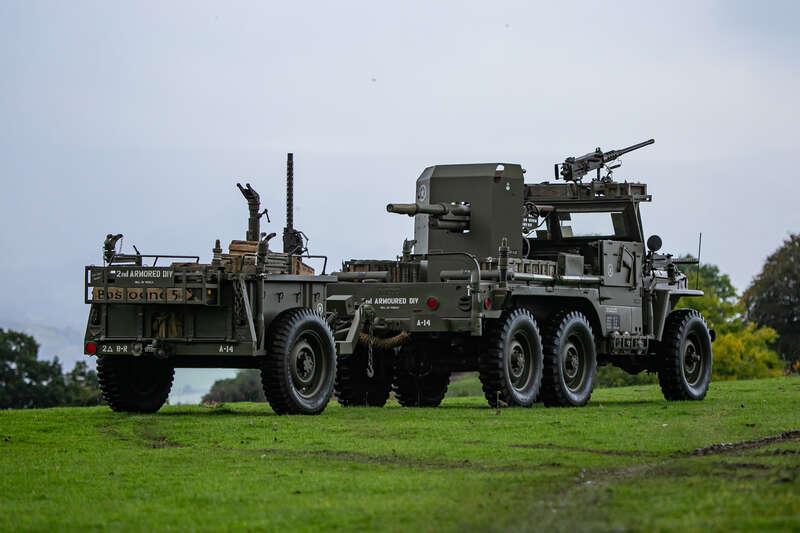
[(300, 366), (511, 363), (570, 360), (685, 356), (134, 384)]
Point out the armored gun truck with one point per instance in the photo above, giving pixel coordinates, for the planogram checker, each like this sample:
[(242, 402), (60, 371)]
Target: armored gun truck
[(250, 307), (531, 285)]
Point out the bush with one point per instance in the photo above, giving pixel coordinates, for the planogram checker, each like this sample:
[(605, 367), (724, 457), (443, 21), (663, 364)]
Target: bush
[(742, 350), (26, 381), (245, 387), (745, 354), (611, 376)]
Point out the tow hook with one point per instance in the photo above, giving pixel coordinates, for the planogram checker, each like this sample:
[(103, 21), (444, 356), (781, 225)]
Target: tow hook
[(159, 350)]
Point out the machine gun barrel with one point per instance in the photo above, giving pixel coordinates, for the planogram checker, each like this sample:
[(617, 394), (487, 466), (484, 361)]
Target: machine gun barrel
[(575, 168), (436, 210), (614, 154), (292, 238)]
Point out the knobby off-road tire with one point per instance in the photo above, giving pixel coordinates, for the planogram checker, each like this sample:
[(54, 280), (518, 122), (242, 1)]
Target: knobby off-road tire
[(417, 383), (134, 384), (685, 356), (300, 366), (511, 363), (570, 360), (354, 388)]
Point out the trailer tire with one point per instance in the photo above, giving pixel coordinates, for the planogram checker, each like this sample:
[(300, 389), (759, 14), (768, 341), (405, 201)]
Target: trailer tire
[(300, 366), (510, 364), (685, 356), (417, 383), (134, 384), (570, 360), (354, 388)]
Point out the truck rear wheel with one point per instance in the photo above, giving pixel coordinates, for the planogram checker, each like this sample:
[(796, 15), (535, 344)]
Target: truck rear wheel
[(134, 384), (300, 366), (570, 360), (511, 364), (685, 354), (354, 387), (416, 382)]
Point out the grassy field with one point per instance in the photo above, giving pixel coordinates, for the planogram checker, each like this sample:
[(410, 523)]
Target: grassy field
[(628, 461)]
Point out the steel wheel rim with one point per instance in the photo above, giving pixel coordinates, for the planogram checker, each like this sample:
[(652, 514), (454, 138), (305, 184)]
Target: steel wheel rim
[(308, 365), (574, 363), (693, 361), (520, 362)]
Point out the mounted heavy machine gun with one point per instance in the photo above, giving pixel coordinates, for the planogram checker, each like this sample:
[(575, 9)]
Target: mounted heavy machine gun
[(575, 168)]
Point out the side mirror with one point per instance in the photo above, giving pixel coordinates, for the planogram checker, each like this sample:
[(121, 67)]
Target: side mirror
[(654, 243)]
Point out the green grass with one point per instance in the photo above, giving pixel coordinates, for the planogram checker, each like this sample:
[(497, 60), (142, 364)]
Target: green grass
[(624, 462)]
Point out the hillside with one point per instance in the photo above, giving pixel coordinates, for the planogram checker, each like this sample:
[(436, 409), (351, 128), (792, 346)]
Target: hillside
[(627, 461)]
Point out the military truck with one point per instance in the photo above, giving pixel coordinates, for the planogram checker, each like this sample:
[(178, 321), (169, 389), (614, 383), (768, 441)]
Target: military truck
[(531, 285), (250, 307)]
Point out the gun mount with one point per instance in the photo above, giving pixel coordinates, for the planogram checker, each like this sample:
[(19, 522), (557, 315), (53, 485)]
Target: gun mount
[(254, 206), (575, 168)]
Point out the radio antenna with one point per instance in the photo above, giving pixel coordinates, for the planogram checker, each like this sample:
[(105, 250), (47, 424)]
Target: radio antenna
[(699, 249)]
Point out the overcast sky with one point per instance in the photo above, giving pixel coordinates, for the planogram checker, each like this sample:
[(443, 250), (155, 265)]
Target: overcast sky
[(138, 117)]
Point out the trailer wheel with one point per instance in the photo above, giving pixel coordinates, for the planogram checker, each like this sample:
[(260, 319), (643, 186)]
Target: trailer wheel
[(570, 360), (300, 366), (416, 382), (354, 387), (134, 384), (685, 356), (511, 363)]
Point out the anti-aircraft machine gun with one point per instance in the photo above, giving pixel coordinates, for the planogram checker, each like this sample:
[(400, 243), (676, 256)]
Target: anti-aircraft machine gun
[(533, 285), (249, 307)]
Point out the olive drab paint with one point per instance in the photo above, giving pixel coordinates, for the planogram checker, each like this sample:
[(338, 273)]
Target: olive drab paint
[(605, 286)]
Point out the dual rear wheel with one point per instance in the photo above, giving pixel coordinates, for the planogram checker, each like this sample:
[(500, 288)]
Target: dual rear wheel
[(519, 365), (408, 373)]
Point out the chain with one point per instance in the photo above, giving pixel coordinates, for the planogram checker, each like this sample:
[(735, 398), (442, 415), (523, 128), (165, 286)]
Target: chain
[(370, 362), (238, 304)]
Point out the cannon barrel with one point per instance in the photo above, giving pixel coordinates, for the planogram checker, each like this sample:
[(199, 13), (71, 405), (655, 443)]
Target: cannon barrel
[(429, 209)]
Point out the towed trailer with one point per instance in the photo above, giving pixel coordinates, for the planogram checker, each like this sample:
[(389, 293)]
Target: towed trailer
[(250, 307)]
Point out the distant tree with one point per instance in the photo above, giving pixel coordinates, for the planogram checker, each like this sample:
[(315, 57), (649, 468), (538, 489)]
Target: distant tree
[(82, 387), (720, 304), (245, 387), (26, 381), (773, 299)]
